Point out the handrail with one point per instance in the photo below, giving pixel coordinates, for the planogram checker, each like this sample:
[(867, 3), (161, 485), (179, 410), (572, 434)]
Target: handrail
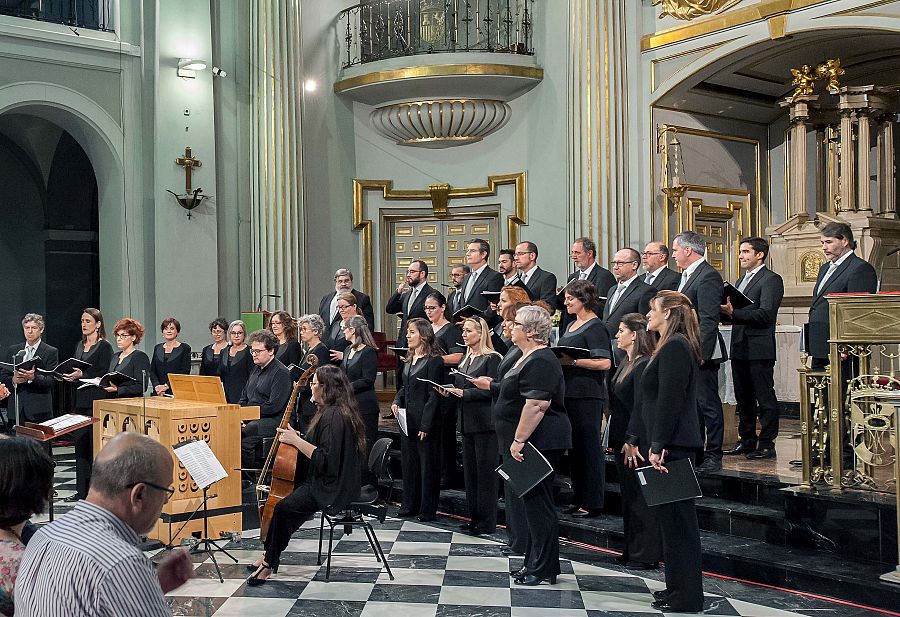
[(89, 14)]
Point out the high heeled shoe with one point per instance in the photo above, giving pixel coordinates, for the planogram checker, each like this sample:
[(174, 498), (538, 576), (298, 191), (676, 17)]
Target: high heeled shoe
[(255, 581), (518, 573), (531, 580)]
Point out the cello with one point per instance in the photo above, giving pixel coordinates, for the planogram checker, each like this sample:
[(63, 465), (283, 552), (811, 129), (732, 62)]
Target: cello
[(282, 459)]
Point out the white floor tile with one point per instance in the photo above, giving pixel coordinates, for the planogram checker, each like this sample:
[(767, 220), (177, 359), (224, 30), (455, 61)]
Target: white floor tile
[(255, 607), (475, 596), (320, 590)]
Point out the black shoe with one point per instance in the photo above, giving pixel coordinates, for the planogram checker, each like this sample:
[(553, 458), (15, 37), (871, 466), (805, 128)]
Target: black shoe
[(640, 565), (255, 581), (762, 454), (741, 447), (709, 465), (621, 559), (664, 606), (531, 580), (425, 518), (662, 594), (519, 573), (592, 513), (572, 509)]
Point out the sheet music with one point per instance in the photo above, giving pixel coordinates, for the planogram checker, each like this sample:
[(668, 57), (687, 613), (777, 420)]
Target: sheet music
[(93, 381), (200, 462), (63, 422), (401, 420)]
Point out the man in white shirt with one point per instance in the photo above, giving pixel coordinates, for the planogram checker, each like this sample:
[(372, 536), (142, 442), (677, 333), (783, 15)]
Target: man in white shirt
[(630, 294), (481, 278), (584, 255), (541, 283), (32, 392), (658, 274), (506, 266)]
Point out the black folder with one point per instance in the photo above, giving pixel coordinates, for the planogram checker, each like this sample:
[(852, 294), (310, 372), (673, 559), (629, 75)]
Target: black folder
[(576, 353), (525, 475), (738, 299), (400, 351), (22, 366), (466, 312), (65, 367), (661, 488)]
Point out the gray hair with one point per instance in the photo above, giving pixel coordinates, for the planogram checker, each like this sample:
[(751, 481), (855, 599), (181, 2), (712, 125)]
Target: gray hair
[(38, 319), (587, 245), (536, 320), (313, 322), (343, 272), (237, 322), (361, 330), (691, 240), (139, 462)]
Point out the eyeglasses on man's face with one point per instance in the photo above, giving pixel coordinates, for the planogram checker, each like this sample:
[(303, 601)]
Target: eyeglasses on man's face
[(649, 253), (616, 264), (256, 352), (169, 491)]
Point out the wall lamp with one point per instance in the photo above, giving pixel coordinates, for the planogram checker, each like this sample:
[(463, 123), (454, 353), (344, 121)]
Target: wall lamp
[(188, 67)]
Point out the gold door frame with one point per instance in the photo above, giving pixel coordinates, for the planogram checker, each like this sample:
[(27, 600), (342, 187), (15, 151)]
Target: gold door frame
[(440, 195)]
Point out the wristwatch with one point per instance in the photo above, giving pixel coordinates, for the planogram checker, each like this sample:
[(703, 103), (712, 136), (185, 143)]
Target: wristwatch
[(575, 362)]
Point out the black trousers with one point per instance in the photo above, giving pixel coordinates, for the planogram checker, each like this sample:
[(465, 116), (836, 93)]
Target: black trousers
[(480, 459), (252, 435), (587, 460), (83, 440), (287, 517), (754, 391), (370, 423), (642, 540), (709, 406), (681, 549), (514, 510), (542, 549), (421, 467), (447, 436)]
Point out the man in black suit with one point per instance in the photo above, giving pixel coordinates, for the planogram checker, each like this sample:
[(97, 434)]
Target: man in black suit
[(481, 278), (584, 254), (659, 275), (30, 389), (844, 273), (753, 351), (630, 294), (540, 283), (343, 283), (409, 299), (506, 266), (703, 285), (457, 274)]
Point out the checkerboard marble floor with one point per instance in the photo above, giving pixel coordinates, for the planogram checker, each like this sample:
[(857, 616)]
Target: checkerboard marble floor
[(441, 573)]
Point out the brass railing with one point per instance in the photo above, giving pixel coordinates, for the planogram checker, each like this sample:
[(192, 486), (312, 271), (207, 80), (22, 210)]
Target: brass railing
[(384, 29), (90, 14)]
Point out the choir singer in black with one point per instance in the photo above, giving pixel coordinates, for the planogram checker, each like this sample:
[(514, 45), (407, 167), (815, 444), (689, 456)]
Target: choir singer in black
[(32, 390), (234, 362), (170, 356), (211, 355), (129, 360)]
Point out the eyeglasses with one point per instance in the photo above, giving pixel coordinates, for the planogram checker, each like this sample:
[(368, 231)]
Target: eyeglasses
[(123, 335), (413, 271), (516, 323), (168, 491), (518, 253), (616, 264), (256, 352), (343, 306), (648, 253), (431, 308)]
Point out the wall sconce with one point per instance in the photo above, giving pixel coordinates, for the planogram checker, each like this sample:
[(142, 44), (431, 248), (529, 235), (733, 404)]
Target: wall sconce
[(671, 164), (188, 67)]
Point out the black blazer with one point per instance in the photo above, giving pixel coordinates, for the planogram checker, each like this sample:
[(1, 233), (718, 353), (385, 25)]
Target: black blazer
[(542, 285), (706, 289), (363, 302), (667, 401), (179, 362), (306, 407), (666, 279), (488, 280), (396, 305), (234, 372), (334, 468), (582, 382), (635, 299), (136, 366), (453, 302), (209, 361), (622, 401), (362, 370), (853, 275), (35, 398), (100, 355), (600, 277), (289, 352), (753, 327), (475, 405), (418, 397)]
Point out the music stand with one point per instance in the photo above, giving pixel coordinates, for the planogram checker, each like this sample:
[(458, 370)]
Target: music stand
[(205, 469)]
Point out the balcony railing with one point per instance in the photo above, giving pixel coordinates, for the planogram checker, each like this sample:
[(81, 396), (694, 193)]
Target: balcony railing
[(391, 28), (90, 14)]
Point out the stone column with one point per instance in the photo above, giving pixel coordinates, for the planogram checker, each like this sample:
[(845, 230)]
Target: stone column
[(799, 114), (847, 176), (887, 187), (863, 146)]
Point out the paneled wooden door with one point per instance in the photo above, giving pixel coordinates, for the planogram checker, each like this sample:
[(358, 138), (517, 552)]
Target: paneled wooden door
[(439, 243)]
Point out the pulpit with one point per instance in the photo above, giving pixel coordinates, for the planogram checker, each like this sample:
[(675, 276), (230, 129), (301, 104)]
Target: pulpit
[(197, 411)]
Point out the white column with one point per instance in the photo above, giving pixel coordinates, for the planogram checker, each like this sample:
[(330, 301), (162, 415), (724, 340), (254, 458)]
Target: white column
[(887, 184), (847, 175), (863, 146)]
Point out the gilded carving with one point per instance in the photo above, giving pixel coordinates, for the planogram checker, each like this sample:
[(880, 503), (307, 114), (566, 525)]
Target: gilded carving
[(805, 78), (830, 71), (809, 266), (689, 9)]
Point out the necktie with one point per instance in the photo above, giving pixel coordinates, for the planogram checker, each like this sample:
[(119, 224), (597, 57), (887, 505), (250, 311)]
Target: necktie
[(29, 353), (684, 279), (334, 310), (470, 285), (746, 280), (649, 278), (831, 268), (412, 297), (582, 276), (619, 288)]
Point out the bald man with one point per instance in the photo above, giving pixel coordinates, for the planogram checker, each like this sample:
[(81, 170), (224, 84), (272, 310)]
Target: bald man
[(88, 562)]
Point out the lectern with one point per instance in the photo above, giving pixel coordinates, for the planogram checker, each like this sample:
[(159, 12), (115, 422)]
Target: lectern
[(197, 411)]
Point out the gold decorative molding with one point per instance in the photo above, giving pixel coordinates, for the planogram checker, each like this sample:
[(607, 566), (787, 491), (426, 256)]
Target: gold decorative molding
[(810, 263), (732, 19), (438, 70), (440, 196), (690, 9)]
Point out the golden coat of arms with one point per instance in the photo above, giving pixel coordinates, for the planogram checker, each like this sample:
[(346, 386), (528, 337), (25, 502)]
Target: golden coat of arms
[(689, 9)]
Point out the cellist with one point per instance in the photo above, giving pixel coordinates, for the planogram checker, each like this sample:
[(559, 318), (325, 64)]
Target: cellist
[(335, 444)]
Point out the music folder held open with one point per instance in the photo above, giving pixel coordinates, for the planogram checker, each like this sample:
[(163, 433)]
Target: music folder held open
[(679, 484), (524, 475)]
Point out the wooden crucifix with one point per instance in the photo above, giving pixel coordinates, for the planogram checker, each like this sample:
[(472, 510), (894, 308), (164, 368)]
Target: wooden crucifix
[(188, 162)]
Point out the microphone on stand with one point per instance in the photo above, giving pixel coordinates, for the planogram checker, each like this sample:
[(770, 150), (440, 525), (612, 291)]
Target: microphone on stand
[(881, 268), (263, 297)]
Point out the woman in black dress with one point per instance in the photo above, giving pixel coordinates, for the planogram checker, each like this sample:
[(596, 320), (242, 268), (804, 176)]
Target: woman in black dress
[(361, 365), (282, 325), (642, 545), (479, 441), (419, 453), (235, 362), (585, 397), (667, 425), (310, 328), (129, 360), (95, 350), (170, 356), (211, 356), (530, 408), (337, 342), (335, 445), (449, 340)]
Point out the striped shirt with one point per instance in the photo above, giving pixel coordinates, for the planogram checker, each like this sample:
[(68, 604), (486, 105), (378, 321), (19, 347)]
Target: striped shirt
[(87, 564)]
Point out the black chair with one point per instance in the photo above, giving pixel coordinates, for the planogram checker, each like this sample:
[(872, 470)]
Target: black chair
[(365, 505)]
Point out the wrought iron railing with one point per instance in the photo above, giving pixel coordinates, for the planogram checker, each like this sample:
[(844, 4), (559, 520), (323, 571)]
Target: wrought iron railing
[(90, 14), (390, 28)]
